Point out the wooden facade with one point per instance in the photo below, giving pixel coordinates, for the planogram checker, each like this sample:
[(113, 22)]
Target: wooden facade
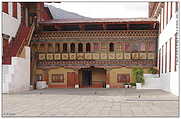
[(87, 57)]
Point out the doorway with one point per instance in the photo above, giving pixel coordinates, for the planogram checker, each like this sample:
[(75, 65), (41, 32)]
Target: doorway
[(86, 78)]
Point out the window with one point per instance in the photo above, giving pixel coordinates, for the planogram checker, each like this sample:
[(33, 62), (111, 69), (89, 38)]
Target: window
[(176, 7), (50, 48), (57, 47), (65, 47), (170, 55), (159, 60), (162, 58), (5, 7), (88, 47), (175, 37), (111, 47), (42, 48), (15, 9), (96, 46), (57, 78), (72, 47), (80, 47), (166, 57), (167, 13), (170, 10)]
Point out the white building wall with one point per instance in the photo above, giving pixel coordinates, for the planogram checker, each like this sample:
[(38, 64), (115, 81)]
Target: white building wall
[(10, 24), (16, 77), (170, 80)]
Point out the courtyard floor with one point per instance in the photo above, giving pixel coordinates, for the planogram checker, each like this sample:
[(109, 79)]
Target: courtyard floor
[(91, 102)]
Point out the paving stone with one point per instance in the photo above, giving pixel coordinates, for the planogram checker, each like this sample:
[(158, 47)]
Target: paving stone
[(109, 103)]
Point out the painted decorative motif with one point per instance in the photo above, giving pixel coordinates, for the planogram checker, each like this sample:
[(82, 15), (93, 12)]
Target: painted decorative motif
[(111, 55), (123, 78), (57, 78), (151, 46), (103, 46), (119, 56), (80, 56), (72, 56), (42, 57), (135, 56), (142, 46), (103, 56), (96, 46), (127, 46), (65, 56), (135, 46), (142, 56), (151, 55), (95, 56), (49, 56), (127, 55), (57, 56), (88, 56)]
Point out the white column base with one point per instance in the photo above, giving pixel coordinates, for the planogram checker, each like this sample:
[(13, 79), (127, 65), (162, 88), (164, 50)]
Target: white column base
[(76, 86), (107, 86)]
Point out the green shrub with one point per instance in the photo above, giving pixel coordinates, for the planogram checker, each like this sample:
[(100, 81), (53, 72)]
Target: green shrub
[(153, 70), (138, 75), (133, 84)]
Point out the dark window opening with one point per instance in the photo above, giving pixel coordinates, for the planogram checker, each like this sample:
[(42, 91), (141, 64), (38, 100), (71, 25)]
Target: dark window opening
[(65, 47), (72, 47), (57, 47), (80, 47), (88, 47), (42, 48), (116, 27), (49, 28), (93, 27), (71, 28), (111, 47), (140, 27), (50, 48)]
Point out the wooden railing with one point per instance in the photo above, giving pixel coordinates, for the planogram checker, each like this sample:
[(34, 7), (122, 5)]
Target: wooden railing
[(27, 39)]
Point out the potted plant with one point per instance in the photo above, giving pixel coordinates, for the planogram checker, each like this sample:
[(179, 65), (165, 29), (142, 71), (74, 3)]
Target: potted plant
[(138, 77), (133, 85), (153, 70), (129, 85), (126, 85)]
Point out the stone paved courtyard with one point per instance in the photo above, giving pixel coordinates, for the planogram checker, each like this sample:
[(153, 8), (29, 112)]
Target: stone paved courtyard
[(91, 103)]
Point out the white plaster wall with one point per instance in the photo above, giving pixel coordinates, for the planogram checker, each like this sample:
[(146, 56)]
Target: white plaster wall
[(170, 80), (10, 24), (152, 81), (16, 77)]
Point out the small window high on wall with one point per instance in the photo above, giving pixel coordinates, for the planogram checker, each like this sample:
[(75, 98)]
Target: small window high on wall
[(5, 7), (80, 47), (88, 47), (65, 47), (72, 47), (57, 47), (111, 47)]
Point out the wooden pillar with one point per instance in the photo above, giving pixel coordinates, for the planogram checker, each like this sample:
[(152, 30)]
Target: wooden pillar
[(77, 81), (108, 76), (46, 76)]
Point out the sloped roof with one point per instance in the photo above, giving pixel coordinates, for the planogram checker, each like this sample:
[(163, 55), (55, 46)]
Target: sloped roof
[(97, 20)]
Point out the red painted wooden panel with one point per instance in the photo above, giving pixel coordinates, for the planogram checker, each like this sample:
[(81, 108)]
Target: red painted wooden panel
[(5, 7), (70, 79), (15, 9), (57, 86)]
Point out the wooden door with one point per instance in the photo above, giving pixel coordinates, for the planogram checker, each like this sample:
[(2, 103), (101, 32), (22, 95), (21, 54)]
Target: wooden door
[(70, 79)]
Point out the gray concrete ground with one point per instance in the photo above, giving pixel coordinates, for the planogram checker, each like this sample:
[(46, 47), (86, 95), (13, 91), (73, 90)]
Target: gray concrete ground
[(91, 103)]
